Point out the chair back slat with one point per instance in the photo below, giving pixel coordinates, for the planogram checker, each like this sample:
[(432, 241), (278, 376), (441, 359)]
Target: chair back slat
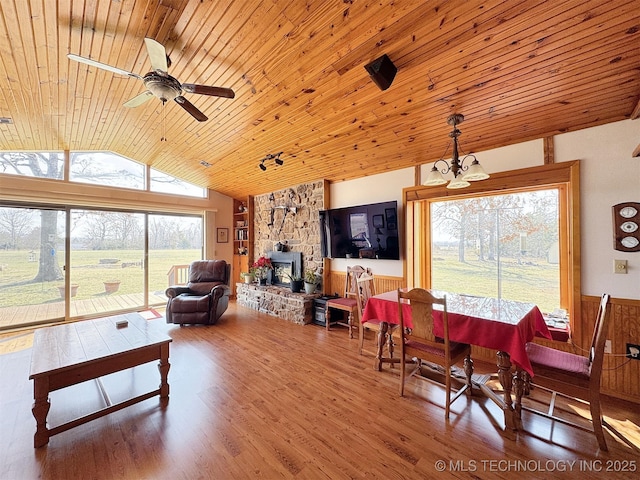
[(421, 302), (365, 289), (596, 354), (351, 283), (422, 316)]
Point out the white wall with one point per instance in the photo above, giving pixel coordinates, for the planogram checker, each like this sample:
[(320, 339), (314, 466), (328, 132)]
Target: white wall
[(609, 175)]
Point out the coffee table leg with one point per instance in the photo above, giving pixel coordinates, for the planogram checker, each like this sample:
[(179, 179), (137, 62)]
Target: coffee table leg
[(164, 366), (40, 411), (506, 380)]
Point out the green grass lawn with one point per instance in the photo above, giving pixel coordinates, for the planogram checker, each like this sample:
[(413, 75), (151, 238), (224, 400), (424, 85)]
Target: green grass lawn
[(88, 273), (532, 280)]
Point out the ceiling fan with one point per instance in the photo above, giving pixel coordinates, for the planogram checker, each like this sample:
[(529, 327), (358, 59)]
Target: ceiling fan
[(159, 83)]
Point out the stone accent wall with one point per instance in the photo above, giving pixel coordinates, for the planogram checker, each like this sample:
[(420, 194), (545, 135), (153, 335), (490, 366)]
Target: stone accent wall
[(277, 301), (290, 216)]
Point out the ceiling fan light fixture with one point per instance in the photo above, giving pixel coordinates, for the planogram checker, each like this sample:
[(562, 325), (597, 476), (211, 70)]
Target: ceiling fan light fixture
[(164, 87), (159, 83)]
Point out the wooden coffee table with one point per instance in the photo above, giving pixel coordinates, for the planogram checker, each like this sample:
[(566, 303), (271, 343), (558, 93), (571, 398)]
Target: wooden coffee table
[(65, 355)]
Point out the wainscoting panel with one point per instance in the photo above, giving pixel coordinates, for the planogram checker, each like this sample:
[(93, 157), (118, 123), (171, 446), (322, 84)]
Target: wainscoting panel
[(382, 283)]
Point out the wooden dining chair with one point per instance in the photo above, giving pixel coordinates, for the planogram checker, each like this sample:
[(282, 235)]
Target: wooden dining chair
[(574, 376), (365, 289), (348, 303), (385, 336), (419, 344)]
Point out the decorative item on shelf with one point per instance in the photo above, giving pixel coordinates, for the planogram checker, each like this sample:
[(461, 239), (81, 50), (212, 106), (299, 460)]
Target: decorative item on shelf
[(241, 208), (111, 286), (474, 171), (247, 277), (281, 247), (310, 281), (260, 269), (242, 250)]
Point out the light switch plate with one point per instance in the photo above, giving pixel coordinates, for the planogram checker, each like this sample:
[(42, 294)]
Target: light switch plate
[(619, 266)]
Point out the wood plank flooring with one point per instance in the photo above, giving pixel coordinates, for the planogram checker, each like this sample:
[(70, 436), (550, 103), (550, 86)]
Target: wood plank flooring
[(257, 397)]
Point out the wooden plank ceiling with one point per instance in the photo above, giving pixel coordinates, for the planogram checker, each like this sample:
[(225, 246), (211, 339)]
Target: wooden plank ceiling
[(517, 70)]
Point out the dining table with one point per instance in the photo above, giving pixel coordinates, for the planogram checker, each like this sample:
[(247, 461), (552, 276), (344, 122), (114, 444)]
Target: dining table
[(502, 325)]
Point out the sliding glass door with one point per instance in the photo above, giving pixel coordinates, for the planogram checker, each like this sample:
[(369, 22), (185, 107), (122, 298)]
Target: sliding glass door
[(107, 261), (117, 261), (174, 242), (32, 273)]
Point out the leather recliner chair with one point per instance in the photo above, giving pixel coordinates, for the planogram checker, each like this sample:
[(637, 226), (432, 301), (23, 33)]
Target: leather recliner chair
[(204, 298)]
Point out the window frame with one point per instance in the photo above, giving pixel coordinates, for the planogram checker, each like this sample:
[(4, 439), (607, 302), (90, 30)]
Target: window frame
[(564, 176)]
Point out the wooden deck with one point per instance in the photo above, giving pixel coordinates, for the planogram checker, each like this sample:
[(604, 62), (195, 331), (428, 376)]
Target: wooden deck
[(15, 317)]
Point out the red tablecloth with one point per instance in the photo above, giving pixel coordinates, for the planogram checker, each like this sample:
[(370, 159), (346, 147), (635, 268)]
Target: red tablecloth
[(486, 322)]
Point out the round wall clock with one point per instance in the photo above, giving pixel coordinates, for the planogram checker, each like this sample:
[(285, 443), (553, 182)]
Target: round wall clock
[(626, 227)]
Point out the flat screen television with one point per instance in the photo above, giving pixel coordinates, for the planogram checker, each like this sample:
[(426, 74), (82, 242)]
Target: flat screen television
[(363, 231)]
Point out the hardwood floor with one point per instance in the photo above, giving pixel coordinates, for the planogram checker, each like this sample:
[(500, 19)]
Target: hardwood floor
[(257, 397)]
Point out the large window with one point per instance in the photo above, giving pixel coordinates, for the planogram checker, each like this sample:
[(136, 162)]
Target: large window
[(106, 168), (164, 183), (33, 164), (515, 236), (502, 246), (97, 168)]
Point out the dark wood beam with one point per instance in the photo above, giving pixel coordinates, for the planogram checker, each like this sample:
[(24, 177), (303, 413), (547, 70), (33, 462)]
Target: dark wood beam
[(548, 150)]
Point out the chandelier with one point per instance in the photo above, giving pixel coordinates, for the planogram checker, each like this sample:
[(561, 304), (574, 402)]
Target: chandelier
[(462, 174)]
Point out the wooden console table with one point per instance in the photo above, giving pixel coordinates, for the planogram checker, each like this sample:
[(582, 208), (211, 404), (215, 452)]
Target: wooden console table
[(65, 355)]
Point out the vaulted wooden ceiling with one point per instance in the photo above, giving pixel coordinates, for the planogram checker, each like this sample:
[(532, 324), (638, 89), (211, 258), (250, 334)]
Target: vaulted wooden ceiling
[(517, 70)]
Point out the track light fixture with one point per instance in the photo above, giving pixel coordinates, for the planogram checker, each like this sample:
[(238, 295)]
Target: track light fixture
[(271, 156), (474, 171)]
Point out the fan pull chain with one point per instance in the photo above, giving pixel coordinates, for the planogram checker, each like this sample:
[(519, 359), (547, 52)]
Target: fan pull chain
[(163, 137)]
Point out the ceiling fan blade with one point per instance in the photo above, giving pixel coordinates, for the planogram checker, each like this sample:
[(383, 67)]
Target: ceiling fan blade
[(207, 90), (103, 66), (138, 99), (157, 55), (191, 108)]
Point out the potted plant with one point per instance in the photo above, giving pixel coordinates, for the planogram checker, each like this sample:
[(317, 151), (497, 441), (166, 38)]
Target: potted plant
[(310, 281), (111, 286), (260, 269), (73, 288), (295, 281), (247, 277)]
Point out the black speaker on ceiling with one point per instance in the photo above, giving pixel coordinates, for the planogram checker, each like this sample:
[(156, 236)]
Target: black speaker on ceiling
[(382, 71)]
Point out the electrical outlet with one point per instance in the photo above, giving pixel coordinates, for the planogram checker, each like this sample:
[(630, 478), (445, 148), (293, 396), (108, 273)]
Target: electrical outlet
[(607, 346), (633, 351)]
